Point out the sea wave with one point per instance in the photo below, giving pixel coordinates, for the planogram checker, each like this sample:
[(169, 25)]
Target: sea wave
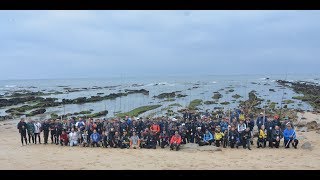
[(214, 82), (10, 86)]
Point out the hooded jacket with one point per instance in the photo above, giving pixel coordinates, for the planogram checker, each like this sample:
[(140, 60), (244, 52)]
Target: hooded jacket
[(207, 137), (287, 133)]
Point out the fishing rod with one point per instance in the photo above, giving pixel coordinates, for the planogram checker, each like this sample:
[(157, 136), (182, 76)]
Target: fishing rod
[(282, 98)]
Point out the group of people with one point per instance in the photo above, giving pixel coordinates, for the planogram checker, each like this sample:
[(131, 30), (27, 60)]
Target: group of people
[(226, 131)]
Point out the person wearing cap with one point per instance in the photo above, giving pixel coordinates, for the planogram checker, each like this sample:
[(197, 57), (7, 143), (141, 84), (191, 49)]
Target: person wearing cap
[(30, 130), (198, 136), (175, 141), (218, 135), (269, 127), (224, 124), (285, 122), (276, 121), (22, 126), (183, 133), (241, 128), (277, 135), (290, 136), (261, 120), (233, 136), (262, 138)]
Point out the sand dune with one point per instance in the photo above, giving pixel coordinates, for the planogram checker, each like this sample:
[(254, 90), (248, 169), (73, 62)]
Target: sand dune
[(14, 157)]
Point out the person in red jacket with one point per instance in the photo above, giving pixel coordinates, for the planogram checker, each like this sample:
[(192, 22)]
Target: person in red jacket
[(175, 141), (64, 138), (155, 132)]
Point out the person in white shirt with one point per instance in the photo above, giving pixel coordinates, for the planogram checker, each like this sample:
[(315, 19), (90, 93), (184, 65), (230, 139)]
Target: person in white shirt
[(37, 130), (73, 138)]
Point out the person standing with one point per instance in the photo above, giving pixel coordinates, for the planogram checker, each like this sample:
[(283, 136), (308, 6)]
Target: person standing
[(52, 130), (37, 130), (46, 129), (22, 126), (30, 130)]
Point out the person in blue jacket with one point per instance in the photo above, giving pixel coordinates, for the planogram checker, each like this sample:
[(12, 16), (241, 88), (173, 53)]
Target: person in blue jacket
[(207, 139), (261, 120), (289, 135), (95, 138)]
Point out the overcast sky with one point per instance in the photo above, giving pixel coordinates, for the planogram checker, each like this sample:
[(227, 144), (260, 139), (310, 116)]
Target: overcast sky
[(76, 44)]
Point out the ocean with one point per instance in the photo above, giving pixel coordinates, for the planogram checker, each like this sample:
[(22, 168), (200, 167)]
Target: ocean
[(195, 87)]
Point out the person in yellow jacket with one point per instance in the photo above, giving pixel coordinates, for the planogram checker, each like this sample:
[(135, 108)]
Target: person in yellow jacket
[(262, 138), (218, 136)]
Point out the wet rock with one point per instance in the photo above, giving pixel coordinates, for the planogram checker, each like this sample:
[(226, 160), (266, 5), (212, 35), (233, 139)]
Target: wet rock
[(272, 90), (36, 112), (312, 125), (181, 95), (236, 96), (306, 145), (166, 95), (217, 96)]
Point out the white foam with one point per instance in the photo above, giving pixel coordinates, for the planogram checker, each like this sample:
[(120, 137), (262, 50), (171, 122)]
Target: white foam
[(10, 86)]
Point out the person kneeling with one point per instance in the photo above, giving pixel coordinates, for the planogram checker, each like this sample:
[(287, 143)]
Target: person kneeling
[(134, 141), (175, 141), (95, 138), (73, 138), (276, 137), (64, 139), (218, 135), (207, 139), (262, 139), (290, 137)]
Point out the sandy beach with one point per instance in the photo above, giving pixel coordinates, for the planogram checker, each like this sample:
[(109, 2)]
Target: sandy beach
[(40, 156)]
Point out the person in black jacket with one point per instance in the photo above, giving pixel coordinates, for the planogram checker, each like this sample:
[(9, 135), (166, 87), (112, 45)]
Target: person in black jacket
[(233, 136), (250, 123), (22, 126), (45, 128), (276, 121), (164, 139), (277, 135), (58, 131), (261, 120), (52, 130), (269, 127), (246, 136)]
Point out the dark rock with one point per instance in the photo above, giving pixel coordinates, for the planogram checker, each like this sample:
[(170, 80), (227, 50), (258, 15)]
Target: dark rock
[(36, 112), (236, 96), (217, 96), (272, 90), (166, 95), (181, 95)]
